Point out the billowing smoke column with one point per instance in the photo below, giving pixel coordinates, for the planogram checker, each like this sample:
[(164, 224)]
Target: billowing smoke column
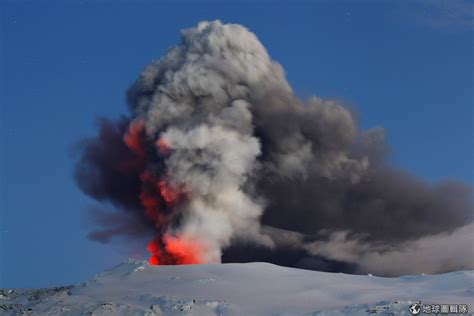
[(220, 160)]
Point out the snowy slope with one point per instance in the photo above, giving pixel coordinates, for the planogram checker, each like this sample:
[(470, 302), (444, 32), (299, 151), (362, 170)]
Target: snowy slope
[(136, 288)]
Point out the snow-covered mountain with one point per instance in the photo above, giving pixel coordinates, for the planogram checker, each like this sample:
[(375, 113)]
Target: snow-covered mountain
[(136, 288)]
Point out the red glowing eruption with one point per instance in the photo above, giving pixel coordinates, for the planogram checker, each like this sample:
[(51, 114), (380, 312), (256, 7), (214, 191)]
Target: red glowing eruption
[(163, 146), (150, 198), (134, 138), (175, 250), (169, 193), (159, 198)]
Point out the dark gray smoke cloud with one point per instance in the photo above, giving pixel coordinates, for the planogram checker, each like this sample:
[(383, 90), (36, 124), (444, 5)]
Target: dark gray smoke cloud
[(268, 177)]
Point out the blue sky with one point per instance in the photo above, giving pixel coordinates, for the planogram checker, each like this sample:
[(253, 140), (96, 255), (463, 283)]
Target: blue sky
[(407, 67)]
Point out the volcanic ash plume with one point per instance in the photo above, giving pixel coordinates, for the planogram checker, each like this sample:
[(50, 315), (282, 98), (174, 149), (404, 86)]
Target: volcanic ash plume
[(219, 159)]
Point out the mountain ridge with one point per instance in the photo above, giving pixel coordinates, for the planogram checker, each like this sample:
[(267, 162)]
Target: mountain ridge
[(136, 288)]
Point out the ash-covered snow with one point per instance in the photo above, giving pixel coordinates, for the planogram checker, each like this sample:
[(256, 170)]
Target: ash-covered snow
[(136, 288)]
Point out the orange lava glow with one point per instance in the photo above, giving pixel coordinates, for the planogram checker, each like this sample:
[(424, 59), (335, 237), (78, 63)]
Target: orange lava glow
[(163, 146), (150, 198), (153, 248), (174, 250), (158, 198), (133, 138), (152, 208), (169, 193), (154, 260), (186, 251)]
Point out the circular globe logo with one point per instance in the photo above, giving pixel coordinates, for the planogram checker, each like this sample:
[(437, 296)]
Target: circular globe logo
[(415, 308)]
